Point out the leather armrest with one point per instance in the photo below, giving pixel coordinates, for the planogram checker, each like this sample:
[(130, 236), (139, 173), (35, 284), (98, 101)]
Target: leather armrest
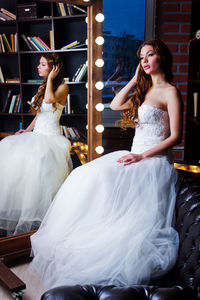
[(119, 293)]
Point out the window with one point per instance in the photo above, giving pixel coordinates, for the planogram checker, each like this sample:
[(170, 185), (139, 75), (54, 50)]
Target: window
[(127, 24)]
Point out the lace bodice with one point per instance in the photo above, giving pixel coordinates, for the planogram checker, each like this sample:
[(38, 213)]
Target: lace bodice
[(153, 128), (48, 119)]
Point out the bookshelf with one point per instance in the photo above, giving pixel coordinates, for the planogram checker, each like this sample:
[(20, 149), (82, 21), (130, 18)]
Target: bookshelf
[(192, 138), (22, 64)]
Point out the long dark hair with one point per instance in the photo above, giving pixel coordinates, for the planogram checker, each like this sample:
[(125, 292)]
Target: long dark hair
[(130, 117), (52, 59)]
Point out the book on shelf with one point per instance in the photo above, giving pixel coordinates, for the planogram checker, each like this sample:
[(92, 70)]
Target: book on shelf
[(34, 81), (45, 46), (12, 104), (62, 9), (70, 10), (81, 73), (32, 44), (16, 42), (70, 45), (51, 39), (17, 103), (8, 13), (12, 40), (12, 80), (7, 101), (65, 9), (32, 41), (58, 9), (68, 109), (79, 45), (1, 76), (73, 133), (25, 39), (35, 43), (2, 44), (6, 42), (5, 17), (79, 8)]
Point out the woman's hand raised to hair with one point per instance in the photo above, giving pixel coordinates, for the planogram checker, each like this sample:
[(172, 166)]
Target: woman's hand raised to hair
[(130, 158), (54, 72)]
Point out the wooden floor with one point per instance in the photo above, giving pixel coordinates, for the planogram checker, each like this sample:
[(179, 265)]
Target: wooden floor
[(33, 289)]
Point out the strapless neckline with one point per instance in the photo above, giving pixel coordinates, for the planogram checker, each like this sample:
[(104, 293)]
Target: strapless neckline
[(152, 106)]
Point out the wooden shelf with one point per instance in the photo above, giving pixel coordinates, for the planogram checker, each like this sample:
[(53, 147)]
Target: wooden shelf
[(9, 83), (9, 114)]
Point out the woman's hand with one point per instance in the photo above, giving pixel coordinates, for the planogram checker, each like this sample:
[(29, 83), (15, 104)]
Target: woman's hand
[(130, 158), (20, 131), (136, 72), (54, 72)]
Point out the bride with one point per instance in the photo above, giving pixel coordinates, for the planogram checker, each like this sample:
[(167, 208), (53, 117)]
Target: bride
[(35, 161), (111, 222)]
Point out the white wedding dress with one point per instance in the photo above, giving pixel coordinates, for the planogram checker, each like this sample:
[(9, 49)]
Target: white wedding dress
[(33, 166), (110, 223)]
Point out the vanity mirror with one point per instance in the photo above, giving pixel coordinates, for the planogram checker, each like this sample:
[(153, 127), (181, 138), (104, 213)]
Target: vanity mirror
[(80, 24), (16, 246)]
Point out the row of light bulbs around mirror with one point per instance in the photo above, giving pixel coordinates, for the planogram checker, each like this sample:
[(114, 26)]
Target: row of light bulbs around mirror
[(99, 84), (80, 148)]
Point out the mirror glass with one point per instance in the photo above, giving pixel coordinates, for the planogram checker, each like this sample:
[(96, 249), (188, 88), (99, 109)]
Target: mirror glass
[(123, 32)]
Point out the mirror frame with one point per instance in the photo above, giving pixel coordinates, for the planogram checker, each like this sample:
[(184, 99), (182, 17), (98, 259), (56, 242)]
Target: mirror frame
[(18, 246)]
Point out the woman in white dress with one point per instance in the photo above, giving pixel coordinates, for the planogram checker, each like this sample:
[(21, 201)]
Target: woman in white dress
[(111, 222), (35, 161)]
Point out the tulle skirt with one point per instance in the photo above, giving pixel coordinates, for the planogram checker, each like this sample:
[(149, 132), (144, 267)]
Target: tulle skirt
[(32, 168), (109, 224)]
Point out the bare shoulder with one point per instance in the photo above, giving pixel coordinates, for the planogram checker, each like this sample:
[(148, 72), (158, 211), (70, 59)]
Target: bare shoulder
[(173, 97)]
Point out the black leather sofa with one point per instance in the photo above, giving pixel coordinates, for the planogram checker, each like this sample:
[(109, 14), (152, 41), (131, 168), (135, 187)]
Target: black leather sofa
[(181, 283)]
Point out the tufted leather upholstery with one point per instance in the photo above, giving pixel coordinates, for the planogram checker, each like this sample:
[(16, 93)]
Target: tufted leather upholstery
[(181, 283)]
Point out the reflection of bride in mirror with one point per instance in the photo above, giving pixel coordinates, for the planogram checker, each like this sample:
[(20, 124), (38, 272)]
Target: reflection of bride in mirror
[(35, 161)]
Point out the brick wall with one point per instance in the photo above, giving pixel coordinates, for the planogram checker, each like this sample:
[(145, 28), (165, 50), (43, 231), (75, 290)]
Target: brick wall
[(173, 27)]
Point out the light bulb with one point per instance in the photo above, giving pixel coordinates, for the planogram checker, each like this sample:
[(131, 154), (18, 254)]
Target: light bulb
[(99, 149), (99, 17), (99, 62), (99, 85), (99, 107), (86, 85), (86, 106), (99, 40), (86, 0), (86, 20), (86, 127), (99, 128), (86, 41)]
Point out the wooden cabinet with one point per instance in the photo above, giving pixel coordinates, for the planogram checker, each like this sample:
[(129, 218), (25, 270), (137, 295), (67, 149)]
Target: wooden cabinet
[(192, 139)]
